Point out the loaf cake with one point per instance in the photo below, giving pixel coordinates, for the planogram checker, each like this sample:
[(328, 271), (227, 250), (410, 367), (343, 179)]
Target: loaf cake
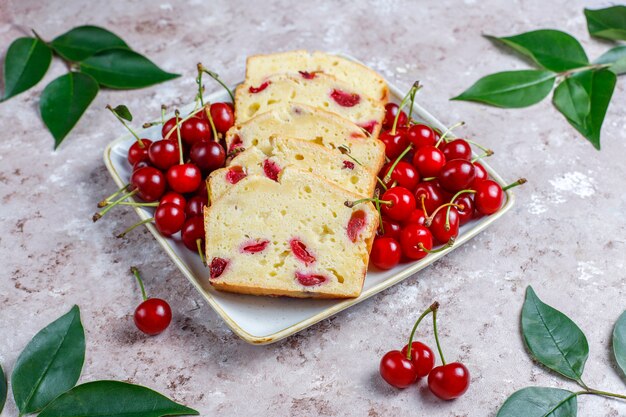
[(311, 124), (358, 76), (320, 90), (331, 165), (293, 236)]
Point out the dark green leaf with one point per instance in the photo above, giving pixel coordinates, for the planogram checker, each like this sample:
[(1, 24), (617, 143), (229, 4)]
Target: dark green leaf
[(616, 57), (3, 389), (113, 399), (583, 99), (552, 338), (619, 342), (85, 41), (510, 89), (64, 101), (124, 69), (50, 364), (609, 23), (123, 112), (551, 49), (540, 402), (25, 65)]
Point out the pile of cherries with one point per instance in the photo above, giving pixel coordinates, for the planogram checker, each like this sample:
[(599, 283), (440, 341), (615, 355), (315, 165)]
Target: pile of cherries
[(416, 360), (430, 187)]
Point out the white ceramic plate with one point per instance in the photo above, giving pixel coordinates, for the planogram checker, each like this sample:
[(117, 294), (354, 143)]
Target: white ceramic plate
[(264, 320)]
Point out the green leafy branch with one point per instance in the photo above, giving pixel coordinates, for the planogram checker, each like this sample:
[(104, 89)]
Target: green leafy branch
[(557, 342), (45, 375), (95, 58), (583, 88)]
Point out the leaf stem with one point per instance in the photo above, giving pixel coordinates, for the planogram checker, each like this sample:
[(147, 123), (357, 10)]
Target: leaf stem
[(434, 306), (437, 337), (567, 73), (135, 272), (604, 393)]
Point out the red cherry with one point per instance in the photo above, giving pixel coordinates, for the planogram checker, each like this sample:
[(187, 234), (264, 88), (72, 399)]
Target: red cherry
[(467, 212), (391, 110), (385, 253), (195, 206), (456, 175), (149, 183), (417, 216), (480, 174), (438, 225), (223, 117), (141, 164), (208, 155), (429, 161), (394, 143), (168, 126), (153, 316), (457, 149), (421, 135), (192, 231), (449, 381), (397, 370), (402, 203), (422, 357), (391, 229), (413, 239), (164, 153), (184, 178), (174, 198), (488, 197), (169, 219), (404, 174), (138, 153), (432, 194), (194, 130)]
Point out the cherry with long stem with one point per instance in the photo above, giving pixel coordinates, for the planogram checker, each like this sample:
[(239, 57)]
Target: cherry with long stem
[(135, 272), (416, 86), (448, 130), (433, 307), (132, 132), (99, 215), (387, 177), (436, 332), (217, 78), (131, 228), (107, 200), (448, 244)]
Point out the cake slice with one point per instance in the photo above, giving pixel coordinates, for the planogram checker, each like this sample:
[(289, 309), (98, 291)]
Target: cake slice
[(320, 90), (311, 124), (293, 237), (358, 76), (307, 156)]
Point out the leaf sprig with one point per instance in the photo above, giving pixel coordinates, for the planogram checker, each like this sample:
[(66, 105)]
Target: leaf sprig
[(558, 343), (45, 375), (95, 58), (583, 88)]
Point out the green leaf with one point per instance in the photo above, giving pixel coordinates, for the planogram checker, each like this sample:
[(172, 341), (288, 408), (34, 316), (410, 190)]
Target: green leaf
[(84, 41), (50, 364), (616, 57), (540, 402), (3, 389), (64, 101), (25, 64), (552, 338), (619, 342), (583, 99), (511, 89), (123, 112), (113, 399), (609, 23), (552, 49), (124, 69)]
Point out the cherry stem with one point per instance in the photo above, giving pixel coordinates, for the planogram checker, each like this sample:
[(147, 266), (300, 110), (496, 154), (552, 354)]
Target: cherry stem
[(403, 103), (434, 306), (514, 184), (417, 86), (437, 338), (395, 163), (217, 78), (207, 111), (199, 246), (134, 204), (429, 179), (131, 228), (382, 184), (141, 144), (199, 82), (106, 201), (162, 114), (422, 199), (346, 151), (98, 215), (380, 215), (487, 153), (135, 272), (448, 130), (180, 143), (478, 145), (430, 218), (362, 200), (178, 122), (448, 244)]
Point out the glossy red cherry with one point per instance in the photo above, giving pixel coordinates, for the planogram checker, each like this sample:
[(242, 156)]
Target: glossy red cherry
[(164, 153), (184, 178), (456, 175), (391, 110), (391, 229), (432, 194), (141, 164), (457, 149), (404, 174), (488, 197), (195, 206), (149, 183), (422, 357), (223, 117), (386, 253), (480, 174), (174, 198), (402, 203), (192, 232), (167, 128), (449, 381), (153, 316), (137, 152), (208, 155), (421, 135), (467, 212), (194, 130), (169, 218), (397, 370), (414, 239), (438, 225), (394, 143), (429, 161), (417, 216)]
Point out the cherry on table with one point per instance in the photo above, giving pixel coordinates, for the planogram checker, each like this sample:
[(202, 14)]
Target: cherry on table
[(397, 370), (184, 178), (449, 381), (422, 357), (169, 218), (386, 253), (208, 155), (153, 315)]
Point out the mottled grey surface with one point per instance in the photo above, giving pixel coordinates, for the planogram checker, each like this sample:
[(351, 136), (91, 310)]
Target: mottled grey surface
[(565, 236)]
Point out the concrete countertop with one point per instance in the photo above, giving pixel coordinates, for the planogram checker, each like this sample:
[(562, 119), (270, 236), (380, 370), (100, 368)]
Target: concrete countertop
[(565, 236)]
